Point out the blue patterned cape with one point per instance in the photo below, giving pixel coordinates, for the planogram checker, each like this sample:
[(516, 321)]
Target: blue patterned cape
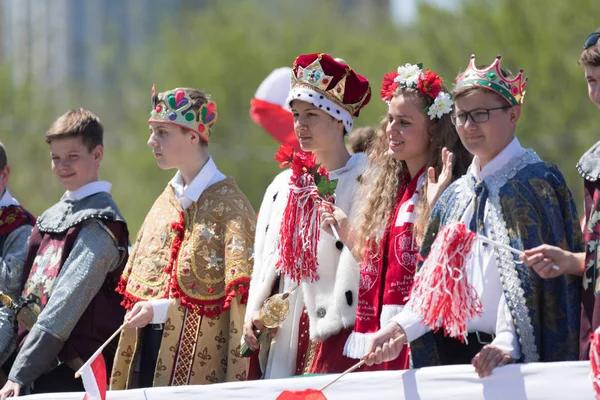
[(528, 204)]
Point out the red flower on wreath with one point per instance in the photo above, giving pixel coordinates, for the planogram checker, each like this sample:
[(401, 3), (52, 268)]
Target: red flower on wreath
[(430, 84), (388, 86)]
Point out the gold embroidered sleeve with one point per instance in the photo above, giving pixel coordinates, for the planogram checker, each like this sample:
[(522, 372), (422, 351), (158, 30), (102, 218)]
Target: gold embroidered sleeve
[(237, 366), (239, 253)]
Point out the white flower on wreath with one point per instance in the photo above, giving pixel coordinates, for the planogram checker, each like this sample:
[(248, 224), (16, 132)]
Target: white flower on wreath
[(441, 105), (408, 74)]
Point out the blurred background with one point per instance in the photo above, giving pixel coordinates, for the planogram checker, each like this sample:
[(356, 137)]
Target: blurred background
[(105, 55)]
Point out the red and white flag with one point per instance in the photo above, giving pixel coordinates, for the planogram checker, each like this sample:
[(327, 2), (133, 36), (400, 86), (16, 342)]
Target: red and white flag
[(268, 108), (94, 379)]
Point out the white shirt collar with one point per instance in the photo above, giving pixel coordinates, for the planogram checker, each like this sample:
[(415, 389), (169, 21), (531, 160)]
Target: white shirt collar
[(7, 200), (351, 163), (511, 151), (88, 190), (197, 185)]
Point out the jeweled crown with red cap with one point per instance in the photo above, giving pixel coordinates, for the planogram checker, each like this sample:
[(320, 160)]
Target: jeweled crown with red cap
[(512, 90), (331, 85), (176, 108)]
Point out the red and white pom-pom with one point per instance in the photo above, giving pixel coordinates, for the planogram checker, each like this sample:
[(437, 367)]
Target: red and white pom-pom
[(300, 231), (595, 360), (441, 293)]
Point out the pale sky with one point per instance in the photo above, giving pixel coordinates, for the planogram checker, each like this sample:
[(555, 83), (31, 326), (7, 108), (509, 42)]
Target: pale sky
[(404, 11)]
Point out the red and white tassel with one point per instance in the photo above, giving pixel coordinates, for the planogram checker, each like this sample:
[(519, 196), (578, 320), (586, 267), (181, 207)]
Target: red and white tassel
[(595, 361), (300, 231), (441, 293)]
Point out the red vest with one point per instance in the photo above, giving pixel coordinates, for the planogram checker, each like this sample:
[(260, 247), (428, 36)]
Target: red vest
[(104, 314)]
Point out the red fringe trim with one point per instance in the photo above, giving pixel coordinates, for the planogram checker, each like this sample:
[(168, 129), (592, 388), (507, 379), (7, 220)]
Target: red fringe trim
[(441, 293), (299, 232), (210, 308), (171, 269), (128, 299), (237, 286)]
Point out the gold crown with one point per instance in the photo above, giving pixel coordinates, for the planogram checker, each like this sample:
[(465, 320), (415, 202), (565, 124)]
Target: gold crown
[(513, 90), (314, 77)]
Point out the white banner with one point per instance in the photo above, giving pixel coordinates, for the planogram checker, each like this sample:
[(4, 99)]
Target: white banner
[(536, 381)]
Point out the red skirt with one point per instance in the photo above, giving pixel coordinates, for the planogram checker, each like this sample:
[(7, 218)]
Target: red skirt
[(330, 357)]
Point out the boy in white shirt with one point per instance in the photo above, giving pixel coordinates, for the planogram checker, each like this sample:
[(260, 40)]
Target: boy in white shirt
[(76, 253), (186, 282)]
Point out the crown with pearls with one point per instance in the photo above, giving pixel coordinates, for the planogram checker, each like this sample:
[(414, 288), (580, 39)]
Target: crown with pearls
[(512, 90), (331, 85), (175, 108)]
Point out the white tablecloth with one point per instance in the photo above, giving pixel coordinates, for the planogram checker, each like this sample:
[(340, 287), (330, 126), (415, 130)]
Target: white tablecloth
[(537, 381)]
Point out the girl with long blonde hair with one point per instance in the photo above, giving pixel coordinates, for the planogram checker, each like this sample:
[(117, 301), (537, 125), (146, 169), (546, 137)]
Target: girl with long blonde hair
[(413, 158)]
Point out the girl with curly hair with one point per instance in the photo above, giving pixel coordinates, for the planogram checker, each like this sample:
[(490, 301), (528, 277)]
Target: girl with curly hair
[(415, 155)]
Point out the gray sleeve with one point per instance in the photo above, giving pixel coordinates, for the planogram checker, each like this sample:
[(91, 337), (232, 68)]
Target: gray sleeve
[(93, 256), (12, 260), (36, 357), (7, 335)]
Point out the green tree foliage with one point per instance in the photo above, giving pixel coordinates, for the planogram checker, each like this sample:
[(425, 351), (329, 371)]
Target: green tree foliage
[(228, 47)]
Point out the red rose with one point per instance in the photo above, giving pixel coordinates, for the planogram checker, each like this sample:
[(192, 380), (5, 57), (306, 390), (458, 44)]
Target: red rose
[(284, 155), (430, 84), (388, 86), (322, 171)]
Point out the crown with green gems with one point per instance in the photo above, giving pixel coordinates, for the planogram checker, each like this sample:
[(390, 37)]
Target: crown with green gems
[(175, 108), (512, 90)]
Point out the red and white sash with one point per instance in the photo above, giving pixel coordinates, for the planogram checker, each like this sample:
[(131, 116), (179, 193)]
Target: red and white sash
[(387, 273)]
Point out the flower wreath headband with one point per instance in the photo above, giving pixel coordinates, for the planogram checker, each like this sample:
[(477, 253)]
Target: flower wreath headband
[(428, 83)]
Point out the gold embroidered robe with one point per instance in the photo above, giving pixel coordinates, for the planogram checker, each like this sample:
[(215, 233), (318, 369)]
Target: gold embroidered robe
[(201, 260)]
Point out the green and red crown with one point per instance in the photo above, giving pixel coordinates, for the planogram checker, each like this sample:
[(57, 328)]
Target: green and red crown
[(175, 108), (512, 90)]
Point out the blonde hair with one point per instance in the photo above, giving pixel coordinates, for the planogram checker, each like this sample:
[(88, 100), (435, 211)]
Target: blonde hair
[(360, 139), (384, 175)]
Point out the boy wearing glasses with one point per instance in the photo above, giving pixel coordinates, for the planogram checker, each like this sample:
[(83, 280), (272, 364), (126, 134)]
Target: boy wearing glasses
[(542, 258), (512, 197)]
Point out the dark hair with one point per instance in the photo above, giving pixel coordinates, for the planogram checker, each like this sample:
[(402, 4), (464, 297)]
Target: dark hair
[(591, 55), (3, 158), (78, 123)]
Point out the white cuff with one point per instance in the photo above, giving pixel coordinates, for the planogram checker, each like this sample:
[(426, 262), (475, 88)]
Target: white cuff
[(506, 335), (411, 323), (507, 341), (160, 308)]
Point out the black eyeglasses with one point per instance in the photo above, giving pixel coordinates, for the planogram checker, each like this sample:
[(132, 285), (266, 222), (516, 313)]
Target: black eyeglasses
[(591, 40), (477, 116)]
